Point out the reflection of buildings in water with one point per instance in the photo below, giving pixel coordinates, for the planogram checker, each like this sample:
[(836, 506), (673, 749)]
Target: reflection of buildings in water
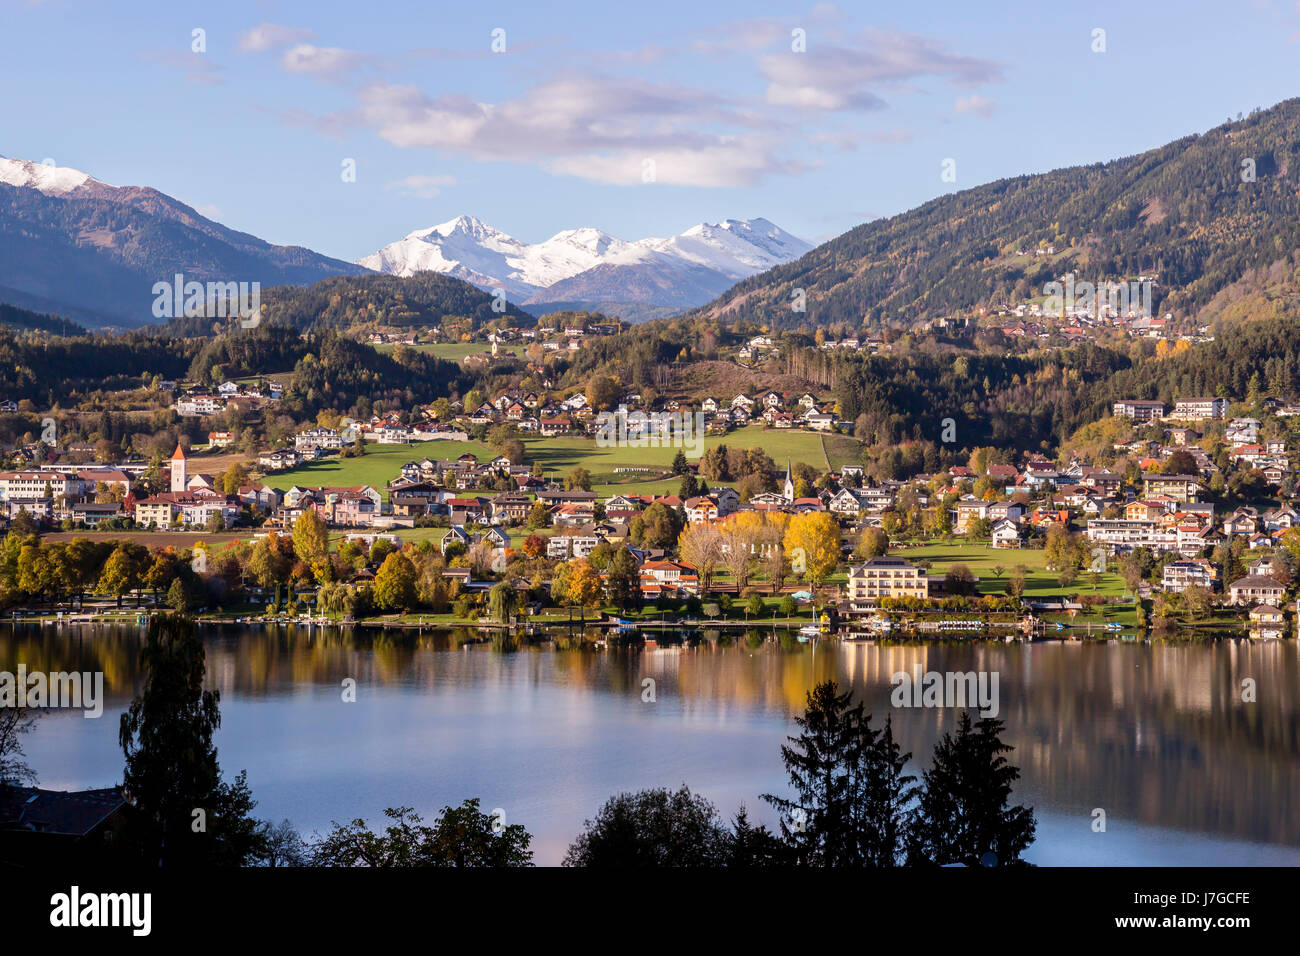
[(1157, 734)]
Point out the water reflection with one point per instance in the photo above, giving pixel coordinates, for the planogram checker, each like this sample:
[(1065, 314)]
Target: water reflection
[(1157, 735)]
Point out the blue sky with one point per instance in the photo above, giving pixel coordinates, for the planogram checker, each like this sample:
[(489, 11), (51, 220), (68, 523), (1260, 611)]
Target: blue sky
[(555, 132)]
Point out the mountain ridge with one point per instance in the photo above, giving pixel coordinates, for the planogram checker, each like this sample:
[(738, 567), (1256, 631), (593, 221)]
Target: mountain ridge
[(1198, 213), (588, 264), (92, 251)]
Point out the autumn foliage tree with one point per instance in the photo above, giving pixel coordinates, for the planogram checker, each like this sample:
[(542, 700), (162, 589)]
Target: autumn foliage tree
[(813, 542)]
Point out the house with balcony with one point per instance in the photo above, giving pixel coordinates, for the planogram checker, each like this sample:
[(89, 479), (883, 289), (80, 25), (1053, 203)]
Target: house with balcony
[(1178, 576), (886, 576)]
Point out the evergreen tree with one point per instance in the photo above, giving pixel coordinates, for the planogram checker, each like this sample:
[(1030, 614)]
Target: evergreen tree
[(749, 847), (851, 791), (623, 580), (963, 815)]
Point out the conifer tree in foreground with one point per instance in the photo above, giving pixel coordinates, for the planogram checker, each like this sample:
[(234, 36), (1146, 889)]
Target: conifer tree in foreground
[(964, 814), (852, 793)]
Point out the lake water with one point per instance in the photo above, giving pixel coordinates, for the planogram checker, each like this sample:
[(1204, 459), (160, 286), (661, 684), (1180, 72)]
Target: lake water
[(1157, 736)]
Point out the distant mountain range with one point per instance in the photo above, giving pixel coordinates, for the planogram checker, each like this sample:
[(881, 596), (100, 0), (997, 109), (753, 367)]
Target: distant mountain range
[(587, 268), (74, 246), (80, 248), (1213, 218)]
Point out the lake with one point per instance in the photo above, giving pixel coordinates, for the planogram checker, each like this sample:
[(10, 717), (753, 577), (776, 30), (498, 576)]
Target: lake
[(1157, 736)]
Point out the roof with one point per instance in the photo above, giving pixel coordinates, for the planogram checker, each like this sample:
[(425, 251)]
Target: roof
[(73, 813), (1256, 581), (179, 453), (883, 561)]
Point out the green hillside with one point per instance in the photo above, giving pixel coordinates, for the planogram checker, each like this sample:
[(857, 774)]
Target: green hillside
[(1199, 212)]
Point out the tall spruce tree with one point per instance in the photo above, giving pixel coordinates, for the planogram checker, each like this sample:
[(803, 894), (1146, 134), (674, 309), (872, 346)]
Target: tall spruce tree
[(964, 813), (852, 794)]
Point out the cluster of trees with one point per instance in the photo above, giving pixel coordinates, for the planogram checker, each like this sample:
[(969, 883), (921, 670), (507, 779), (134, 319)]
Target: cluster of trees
[(988, 603), (35, 570), (773, 543), (751, 470), (339, 372), (425, 299), (853, 805), (12, 317), (49, 369)]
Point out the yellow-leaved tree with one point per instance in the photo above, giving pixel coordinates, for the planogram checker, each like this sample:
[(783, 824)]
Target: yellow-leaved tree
[(812, 542)]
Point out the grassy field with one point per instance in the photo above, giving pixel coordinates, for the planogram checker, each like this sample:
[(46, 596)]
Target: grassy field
[(455, 351), (982, 560), (180, 540), (377, 467), (841, 450), (417, 535), (559, 456)]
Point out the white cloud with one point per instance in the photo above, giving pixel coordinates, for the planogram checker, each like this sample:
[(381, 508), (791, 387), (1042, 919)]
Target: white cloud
[(742, 163), (599, 128), (846, 77), (595, 121), (264, 36)]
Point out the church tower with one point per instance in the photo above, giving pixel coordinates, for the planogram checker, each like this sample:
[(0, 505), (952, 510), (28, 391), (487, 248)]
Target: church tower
[(788, 489), (179, 479)]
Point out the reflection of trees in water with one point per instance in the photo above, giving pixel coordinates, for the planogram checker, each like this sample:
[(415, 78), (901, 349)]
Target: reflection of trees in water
[(1152, 733)]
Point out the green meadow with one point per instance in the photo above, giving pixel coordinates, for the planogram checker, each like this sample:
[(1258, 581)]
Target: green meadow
[(560, 455), (455, 351), (983, 560), (377, 467)]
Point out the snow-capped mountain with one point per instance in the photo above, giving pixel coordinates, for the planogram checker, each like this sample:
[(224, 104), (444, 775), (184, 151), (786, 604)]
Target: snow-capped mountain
[(487, 257), (78, 247), (590, 266), (43, 177)]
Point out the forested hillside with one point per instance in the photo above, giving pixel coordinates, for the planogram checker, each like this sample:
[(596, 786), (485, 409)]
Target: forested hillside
[(1199, 213), (346, 302)]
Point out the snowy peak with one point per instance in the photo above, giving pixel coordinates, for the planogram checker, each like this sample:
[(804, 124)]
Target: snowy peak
[(591, 240), (738, 248), (708, 255), (44, 177), (466, 227)]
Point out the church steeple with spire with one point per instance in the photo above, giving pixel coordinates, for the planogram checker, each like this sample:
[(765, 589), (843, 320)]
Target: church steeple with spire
[(788, 489), (180, 480)]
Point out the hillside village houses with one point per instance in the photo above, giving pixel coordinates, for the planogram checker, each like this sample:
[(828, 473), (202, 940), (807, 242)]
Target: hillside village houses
[(1128, 499)]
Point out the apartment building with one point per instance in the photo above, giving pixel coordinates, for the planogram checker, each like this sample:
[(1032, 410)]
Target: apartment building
[(1121, 534), (1178, 576), (1139, 410), (1178, 487), (1200, 409), (885, 576), (35, 484)]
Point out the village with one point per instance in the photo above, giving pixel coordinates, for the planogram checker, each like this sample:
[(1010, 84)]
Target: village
[(1188, 519)]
